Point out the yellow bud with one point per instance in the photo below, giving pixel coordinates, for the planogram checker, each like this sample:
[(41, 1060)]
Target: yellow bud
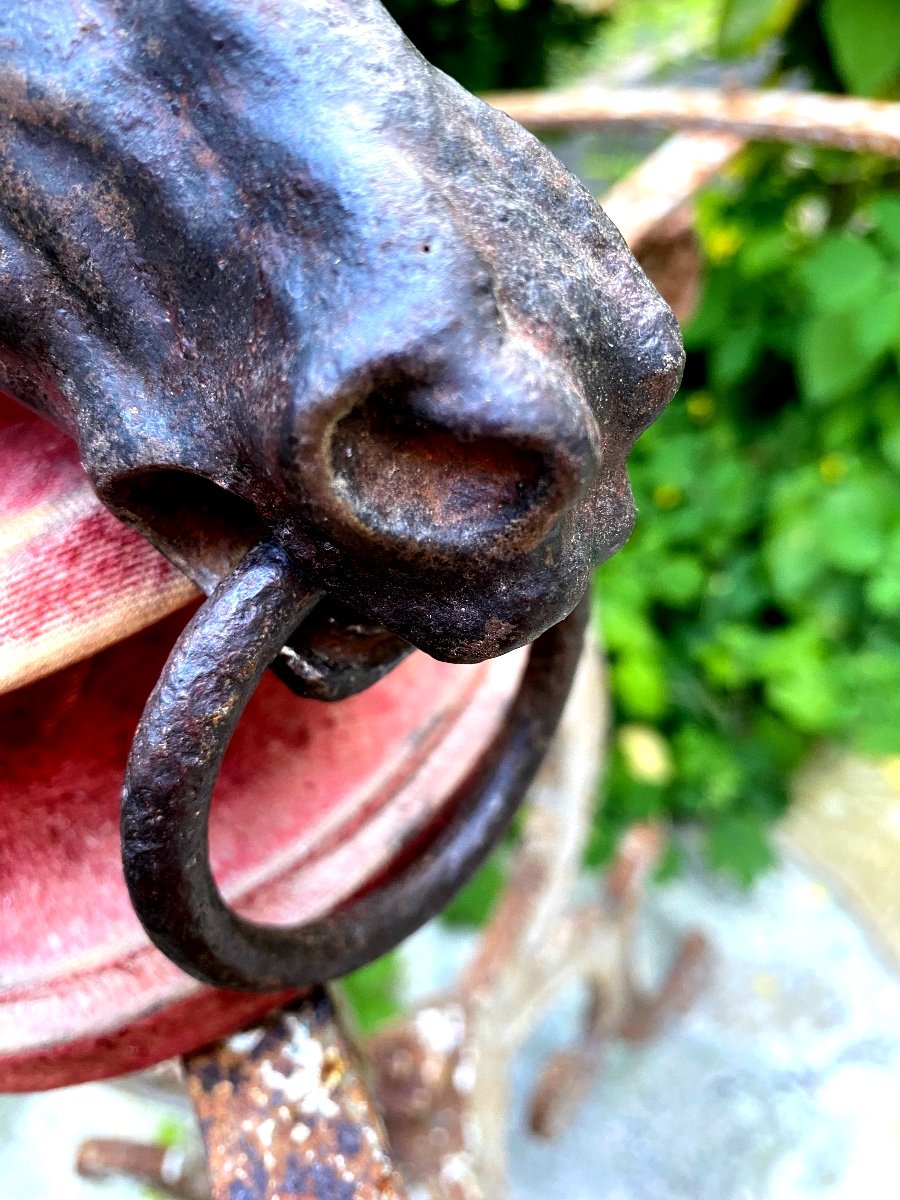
[(647, 754), (667, 496), (701, 407), (833, 468), (724, 243)]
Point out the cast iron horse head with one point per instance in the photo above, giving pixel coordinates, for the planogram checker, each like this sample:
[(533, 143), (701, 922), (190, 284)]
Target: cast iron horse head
[(289, 286)]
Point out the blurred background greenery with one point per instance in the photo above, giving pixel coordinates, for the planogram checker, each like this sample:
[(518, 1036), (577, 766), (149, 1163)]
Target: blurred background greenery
[(756, 610)]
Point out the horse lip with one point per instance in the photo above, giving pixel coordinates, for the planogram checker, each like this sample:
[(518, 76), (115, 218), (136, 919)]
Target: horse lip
[(206, 525), (334, 654)]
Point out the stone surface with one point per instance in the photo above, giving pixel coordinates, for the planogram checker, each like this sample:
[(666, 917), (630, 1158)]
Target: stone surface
[(845, 822), (783, 1083)]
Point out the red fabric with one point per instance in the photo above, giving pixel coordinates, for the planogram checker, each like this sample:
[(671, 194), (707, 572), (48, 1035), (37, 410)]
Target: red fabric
[(73, 579), (313, 801)]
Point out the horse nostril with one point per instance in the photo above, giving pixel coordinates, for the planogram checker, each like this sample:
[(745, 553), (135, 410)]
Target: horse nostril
[(404, 478)]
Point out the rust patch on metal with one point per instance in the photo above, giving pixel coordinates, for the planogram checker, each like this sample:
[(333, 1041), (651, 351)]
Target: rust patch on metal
[(284, 1112)]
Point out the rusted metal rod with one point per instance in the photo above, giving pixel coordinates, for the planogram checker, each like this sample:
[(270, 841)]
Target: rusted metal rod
[(844, 122), (166, 1169), (175, 761), (283, 1111)]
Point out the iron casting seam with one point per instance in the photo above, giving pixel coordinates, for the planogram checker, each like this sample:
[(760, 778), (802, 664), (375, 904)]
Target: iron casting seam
[(176, 756)]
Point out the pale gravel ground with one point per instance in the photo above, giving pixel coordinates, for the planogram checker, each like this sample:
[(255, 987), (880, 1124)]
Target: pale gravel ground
[(782, 1084)]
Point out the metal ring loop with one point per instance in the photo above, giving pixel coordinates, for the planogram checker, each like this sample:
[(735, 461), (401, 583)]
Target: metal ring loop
[(175, 759)]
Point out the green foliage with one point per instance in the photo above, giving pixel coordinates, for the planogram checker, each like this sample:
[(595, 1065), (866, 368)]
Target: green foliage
[(373, 992), (473, 904), (865, 39), (656, 34), (495, 43), (171, 1132), (746, 25), (757, 607)]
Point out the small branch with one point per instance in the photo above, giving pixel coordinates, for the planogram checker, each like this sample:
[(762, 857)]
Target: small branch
[(844, 122), (658, 188), (442, 1073), (557, 826)]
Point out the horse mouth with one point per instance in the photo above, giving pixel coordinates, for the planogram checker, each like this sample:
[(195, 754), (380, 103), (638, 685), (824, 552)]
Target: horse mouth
[(177, 753), (205, 529), (335, 653)]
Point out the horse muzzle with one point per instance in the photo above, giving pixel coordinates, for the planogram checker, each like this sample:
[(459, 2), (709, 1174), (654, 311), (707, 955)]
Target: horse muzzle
[(358, 355)]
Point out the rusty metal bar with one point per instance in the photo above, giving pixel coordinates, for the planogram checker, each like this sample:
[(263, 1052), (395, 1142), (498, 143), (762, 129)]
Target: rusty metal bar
[(165, 1169), (283, 1111), (844, 122)]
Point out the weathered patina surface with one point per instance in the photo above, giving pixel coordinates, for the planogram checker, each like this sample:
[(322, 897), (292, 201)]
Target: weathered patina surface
[(357, 353), (277, 273)]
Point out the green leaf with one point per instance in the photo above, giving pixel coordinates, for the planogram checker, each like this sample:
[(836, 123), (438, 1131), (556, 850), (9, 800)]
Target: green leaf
[(623, 619), (739, 846), (883, 591), (706, 763), (883, 588), (747, 24), (890, 444), (832, 359), (734, 355), (472, 905), (785, 745), (791, 549), (171, 1132), (805, 692), (603, 840), (885, 214), (871, 692), (717, 302), (734, 657), (877, 324), (681, 580), (842, 272), (640, 685), (864, 38), (670, 864), (373, 992), (851, 523), (765, 253)]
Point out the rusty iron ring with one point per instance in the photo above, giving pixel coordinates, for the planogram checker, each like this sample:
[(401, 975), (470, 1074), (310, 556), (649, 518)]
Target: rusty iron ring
[(178, 750)]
